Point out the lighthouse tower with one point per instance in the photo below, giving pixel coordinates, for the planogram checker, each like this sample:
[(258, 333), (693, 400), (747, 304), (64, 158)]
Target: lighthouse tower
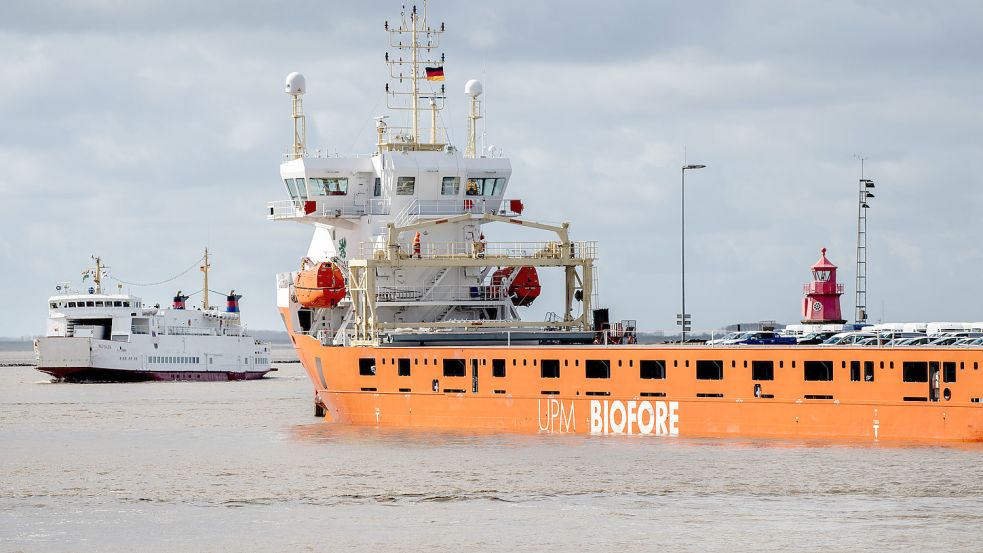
[(821, 303)]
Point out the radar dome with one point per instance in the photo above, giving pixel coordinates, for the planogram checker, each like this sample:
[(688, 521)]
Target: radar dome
[(473, 88), (296, 85)]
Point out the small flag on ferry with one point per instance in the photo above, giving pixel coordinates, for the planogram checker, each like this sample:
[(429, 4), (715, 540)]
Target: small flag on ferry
[(435, 73)]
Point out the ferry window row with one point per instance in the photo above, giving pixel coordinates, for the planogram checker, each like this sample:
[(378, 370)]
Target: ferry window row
[(91, 303), (170, 359)]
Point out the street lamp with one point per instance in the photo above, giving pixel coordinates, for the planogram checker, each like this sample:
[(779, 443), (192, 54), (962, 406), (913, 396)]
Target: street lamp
[(683, 318)]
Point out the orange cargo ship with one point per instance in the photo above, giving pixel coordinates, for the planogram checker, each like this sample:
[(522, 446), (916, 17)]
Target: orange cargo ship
[(425, 329)]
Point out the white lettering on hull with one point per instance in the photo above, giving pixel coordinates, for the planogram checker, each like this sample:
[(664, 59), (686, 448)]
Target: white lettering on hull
[(634, 417), (555, 417)]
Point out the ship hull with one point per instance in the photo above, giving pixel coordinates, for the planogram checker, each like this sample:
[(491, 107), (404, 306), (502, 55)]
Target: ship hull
[(367, 386), (93, 374)]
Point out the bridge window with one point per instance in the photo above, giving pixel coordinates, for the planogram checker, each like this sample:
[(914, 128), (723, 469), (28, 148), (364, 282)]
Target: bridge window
[(404, 367), (549, 368), (405, 186), (498, 368), (485, 187), (709, 370), (328, 186), (651, 370), (454, 367), (762, 370), (597, 368), (818, 370), (450, 186), (914, 371)]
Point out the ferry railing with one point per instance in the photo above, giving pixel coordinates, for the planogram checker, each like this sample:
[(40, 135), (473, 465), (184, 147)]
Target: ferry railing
[(508, 250), (442, 293)]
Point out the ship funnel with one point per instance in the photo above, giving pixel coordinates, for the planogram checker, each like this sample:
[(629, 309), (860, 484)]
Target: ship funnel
[(179, 300), (232, 302)]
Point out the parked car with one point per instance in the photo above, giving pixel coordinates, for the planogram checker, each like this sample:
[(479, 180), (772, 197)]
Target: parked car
[(764, 338), (815, 337), (724, 339), (847, 338)]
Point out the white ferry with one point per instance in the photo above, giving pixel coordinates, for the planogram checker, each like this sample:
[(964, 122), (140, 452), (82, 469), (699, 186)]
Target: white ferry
[(93, 336)]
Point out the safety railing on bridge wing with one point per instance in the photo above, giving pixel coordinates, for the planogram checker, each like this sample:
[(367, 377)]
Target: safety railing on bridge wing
[(498, 250), (293, 209)]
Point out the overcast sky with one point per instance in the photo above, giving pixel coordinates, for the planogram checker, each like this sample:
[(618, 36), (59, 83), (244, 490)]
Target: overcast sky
[(144, 131)]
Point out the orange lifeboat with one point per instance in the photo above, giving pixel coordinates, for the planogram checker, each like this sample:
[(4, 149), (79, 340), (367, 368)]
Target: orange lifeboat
[(323, 285), (523, 287)]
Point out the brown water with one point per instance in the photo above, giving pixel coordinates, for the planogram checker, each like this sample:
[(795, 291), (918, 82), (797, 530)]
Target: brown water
[(244, 466)]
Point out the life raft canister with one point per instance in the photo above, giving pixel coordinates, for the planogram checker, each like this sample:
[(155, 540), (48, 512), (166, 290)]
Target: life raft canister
[(524, 287), (323, 285)]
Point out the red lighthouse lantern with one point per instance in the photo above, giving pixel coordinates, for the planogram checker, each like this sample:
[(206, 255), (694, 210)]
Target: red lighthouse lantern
[(821, 304)]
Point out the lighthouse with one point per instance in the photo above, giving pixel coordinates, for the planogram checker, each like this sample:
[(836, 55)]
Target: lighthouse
[(821, 304)]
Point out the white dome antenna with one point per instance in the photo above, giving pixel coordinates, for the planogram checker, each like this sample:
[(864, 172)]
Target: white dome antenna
[(473, 89), (296, 86)]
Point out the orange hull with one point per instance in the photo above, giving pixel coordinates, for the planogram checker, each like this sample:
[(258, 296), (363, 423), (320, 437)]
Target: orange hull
[(510, 389)]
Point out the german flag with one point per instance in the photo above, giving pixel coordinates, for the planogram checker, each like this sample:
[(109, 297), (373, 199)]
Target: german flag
[(435, 73)]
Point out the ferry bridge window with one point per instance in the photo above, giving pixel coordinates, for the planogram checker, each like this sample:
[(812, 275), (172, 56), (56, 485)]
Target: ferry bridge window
[(596, 368), (651, 369), (405, 186), (54, 305), (450, 186), (549, 368), (709, 370), (869, 370), (454, 367), (855, 371), (914, 371), (818, 370), (291, 187), (71, 304), (404, 367), (366, 366), (498, 368), (377, 188), (328, 186), (762, 370), (948, 372)]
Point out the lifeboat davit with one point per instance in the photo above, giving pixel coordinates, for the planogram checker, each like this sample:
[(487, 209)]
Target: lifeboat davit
[(322, 285), (523, 286)]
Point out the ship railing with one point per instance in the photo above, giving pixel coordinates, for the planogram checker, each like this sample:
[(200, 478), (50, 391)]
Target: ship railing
[(460, 206), (318, 154), (313, 207), (189, 331), (450, 293), (400, 138), (494, 250), (140, 329)]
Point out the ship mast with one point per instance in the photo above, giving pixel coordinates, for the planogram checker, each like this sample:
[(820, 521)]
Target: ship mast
[(97, 277), (420, 65), (204, 269)]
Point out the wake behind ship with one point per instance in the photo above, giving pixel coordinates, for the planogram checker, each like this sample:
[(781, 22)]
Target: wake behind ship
[(406, 311)]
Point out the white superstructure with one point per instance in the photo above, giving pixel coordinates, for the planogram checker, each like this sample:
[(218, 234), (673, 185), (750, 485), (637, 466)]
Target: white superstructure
[(92, 335), (405, 224)]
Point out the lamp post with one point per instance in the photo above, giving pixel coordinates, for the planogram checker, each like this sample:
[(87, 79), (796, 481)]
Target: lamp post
[(683, 318)]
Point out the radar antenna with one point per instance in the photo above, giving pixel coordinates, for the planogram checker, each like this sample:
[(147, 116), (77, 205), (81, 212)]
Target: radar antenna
[(296, 87)]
